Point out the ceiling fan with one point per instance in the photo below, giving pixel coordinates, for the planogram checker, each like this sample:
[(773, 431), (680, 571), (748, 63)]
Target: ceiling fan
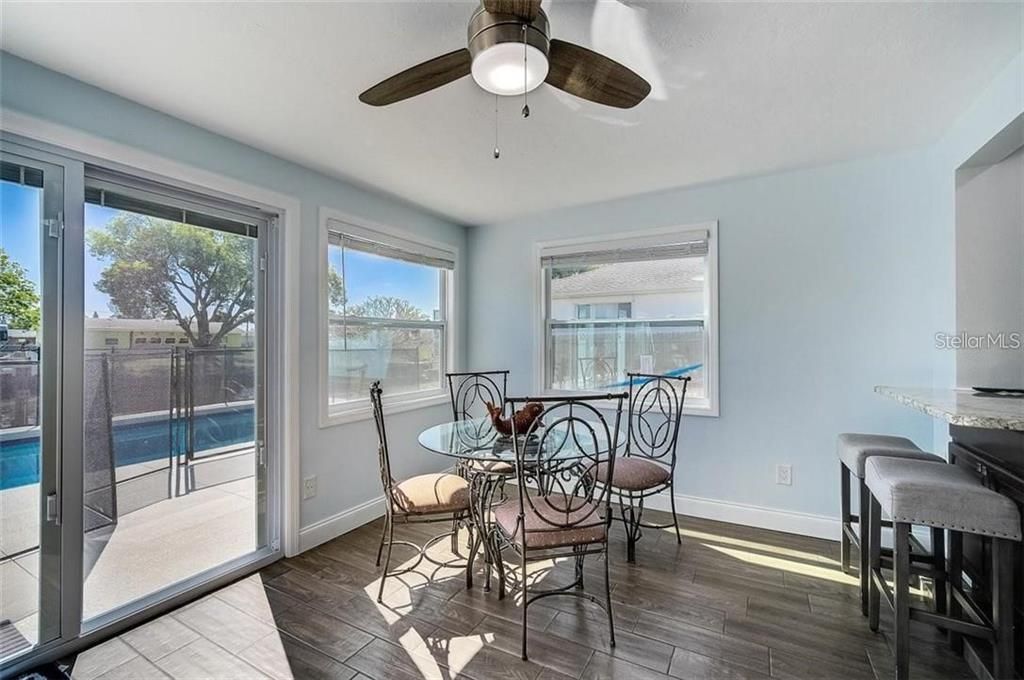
[(510, 53)]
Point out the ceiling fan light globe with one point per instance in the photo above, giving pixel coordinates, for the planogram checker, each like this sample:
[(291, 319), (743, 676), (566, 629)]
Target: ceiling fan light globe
[(499, 68)]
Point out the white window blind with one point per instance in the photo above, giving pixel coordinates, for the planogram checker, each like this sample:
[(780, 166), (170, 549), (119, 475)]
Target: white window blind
[(351, 237), (691, 244)]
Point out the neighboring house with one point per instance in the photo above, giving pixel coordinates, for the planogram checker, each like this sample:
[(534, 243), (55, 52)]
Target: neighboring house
[(20, 338), (629, 316), (662, 289), (105, 333)]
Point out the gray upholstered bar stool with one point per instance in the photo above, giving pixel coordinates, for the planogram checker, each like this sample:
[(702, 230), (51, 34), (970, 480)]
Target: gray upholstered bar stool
[(949, 498), (853, 450)]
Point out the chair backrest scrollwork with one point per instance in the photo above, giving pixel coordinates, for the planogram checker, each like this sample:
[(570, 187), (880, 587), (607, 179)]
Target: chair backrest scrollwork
[(469, 392), (556, 455), (655, 413)]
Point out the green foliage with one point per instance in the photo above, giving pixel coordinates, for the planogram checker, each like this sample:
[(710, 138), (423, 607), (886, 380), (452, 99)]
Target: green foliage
[(166, 270), (387, 307), (335, 290), (19, 300), (567, 271)]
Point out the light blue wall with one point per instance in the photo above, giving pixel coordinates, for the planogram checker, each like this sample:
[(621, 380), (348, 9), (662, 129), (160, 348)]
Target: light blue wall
[(832, 280), (343, 457), (826, 289)]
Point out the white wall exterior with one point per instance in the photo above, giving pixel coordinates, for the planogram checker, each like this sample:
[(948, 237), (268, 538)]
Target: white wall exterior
[(665, 305)]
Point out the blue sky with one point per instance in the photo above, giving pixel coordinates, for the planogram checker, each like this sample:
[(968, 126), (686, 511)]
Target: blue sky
[(367, 274), (20, 207)]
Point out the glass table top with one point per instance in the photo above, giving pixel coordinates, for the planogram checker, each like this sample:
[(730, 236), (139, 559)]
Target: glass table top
[(476, 439)]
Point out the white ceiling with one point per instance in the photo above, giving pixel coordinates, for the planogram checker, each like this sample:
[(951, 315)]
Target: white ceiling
[(738, 89)]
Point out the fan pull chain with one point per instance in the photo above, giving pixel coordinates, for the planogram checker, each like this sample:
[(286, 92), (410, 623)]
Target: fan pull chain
[(497, 151), (526, 103)]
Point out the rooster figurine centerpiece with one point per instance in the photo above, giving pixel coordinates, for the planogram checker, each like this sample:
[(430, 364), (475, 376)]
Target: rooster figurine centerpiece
[(522, 419)]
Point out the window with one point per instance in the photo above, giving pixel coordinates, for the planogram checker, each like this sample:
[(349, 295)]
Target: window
[(646, 304), (387, 304), (110, 342), (605, 310)]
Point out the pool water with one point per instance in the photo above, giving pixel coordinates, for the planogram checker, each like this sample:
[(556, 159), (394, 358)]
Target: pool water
[(136, 442)]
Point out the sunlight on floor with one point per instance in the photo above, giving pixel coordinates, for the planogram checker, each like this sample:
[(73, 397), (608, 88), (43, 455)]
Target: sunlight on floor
[(833, 575), (457, 651), (754, 545), (411, 641)]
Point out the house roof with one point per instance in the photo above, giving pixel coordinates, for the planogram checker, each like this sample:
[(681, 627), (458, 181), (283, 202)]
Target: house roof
[(632, 278), (142, 325)]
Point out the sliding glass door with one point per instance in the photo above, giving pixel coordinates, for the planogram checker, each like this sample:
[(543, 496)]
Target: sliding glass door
[(174, 466), (133, 380), (31, 205)]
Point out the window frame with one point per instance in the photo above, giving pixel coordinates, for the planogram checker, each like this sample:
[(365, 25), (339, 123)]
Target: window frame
[(360, 409), (707, 406)]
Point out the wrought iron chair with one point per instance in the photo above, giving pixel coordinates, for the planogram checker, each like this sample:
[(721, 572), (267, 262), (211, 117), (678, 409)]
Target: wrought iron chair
[(470, 390), (648, 465), (558, 511), (421, 499), (469, 393)]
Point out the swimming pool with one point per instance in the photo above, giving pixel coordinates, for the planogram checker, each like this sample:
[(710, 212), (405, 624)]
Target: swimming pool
[(136, 442)]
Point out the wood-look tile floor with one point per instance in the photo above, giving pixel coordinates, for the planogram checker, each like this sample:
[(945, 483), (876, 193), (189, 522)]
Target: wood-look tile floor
[(730, 602)]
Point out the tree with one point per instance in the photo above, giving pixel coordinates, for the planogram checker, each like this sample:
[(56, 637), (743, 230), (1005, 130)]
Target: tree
[(167, 270), (567, 271), (19, 300), (387, 307), (335, 290)]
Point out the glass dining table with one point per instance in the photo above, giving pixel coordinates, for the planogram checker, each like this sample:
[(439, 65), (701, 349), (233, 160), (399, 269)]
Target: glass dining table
[(487, 458)]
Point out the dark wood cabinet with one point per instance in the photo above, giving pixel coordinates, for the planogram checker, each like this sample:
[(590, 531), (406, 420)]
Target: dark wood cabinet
[(997, 457)]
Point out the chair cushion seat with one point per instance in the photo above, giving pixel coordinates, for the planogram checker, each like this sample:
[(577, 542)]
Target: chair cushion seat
[(634, 473), (436, 493), (496, 467), (853, 449), (940, 495), (539, 521)]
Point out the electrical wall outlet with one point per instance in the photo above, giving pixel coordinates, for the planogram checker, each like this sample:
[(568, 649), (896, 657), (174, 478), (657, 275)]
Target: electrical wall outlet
[(784, 475), (308, 487)]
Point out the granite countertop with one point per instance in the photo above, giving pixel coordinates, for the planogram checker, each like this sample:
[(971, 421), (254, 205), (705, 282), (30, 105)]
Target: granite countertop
[(961, 406)]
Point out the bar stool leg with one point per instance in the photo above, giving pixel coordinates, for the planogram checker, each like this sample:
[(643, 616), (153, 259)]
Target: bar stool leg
[(844, 518), (875, 559), (901, 597), (1002, 608), (939, 562), (956, 584), (862, 527)]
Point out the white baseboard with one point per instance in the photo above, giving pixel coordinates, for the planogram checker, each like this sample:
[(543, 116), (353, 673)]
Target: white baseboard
[(341, 523), (818, 526), (345, 521)]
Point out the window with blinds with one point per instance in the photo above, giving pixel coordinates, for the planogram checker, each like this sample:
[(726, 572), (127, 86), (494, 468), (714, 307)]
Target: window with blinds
[(638, 305), (387, 311)]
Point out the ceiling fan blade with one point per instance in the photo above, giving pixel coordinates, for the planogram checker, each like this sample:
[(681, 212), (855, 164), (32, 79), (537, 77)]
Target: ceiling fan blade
[(593, 76), (525, 9), (419, 79)]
